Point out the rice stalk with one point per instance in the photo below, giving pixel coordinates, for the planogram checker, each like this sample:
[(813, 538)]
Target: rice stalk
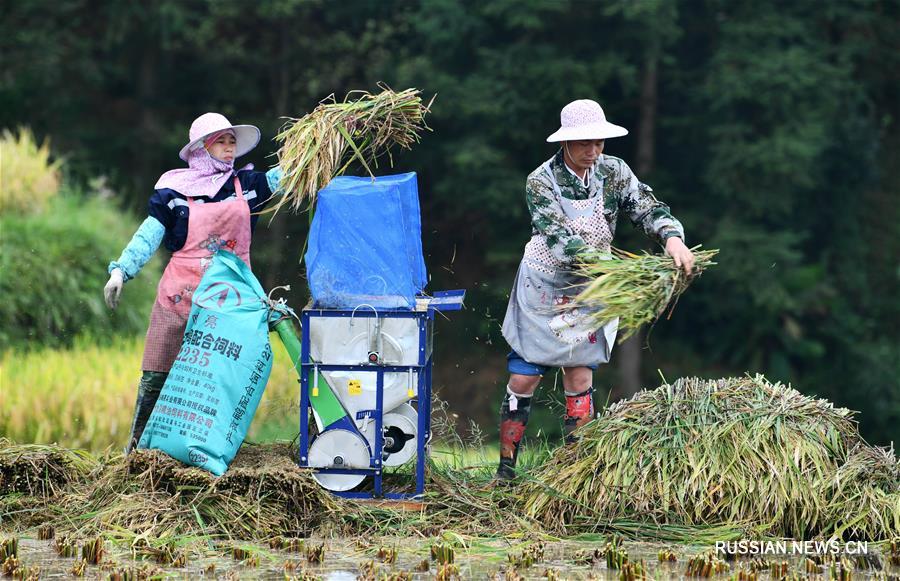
[(368, 570), (65, 547), (634, 571), (634, 288), (78, 569), (528, 557), (841, 570), (291, 545), (316, 553), (46, 533), (167, 553), (321, 145), (15, 568), (387, 554), (134, 573), (442, 553), (9, 548), (707, 565), (667, 556), (92, 551), (616, 557), (894, 553), (448, 571)]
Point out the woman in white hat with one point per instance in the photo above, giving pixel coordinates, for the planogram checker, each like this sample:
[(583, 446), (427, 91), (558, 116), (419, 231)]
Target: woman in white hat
[(574, 198), (188, 214)]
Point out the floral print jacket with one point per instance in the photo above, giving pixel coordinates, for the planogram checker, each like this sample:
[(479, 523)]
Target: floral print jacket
[(622, 192)]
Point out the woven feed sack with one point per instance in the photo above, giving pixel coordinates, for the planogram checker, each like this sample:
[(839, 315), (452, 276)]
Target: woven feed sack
[(212, 391), (365, 244)]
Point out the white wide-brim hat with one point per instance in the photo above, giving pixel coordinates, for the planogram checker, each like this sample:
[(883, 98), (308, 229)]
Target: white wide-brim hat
[(584, 119), (246, 136)]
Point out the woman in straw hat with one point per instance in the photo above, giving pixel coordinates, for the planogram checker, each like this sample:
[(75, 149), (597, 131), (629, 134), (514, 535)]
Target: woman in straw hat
[(188, 214), (574, 198)]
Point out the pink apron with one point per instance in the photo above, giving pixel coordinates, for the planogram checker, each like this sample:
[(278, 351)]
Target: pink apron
[(211, 226)]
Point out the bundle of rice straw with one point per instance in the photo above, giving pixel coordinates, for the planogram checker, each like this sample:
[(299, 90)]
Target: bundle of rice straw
[(740, 451), (635, 288), (323, 143)]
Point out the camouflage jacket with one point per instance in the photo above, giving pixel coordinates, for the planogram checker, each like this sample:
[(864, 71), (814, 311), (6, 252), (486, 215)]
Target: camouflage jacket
[(621, 190)]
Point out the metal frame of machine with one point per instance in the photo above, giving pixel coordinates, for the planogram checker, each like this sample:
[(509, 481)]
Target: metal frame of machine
[(440, 301)]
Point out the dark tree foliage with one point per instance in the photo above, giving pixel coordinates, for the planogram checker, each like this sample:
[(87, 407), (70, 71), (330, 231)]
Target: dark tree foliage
[(775, 140)]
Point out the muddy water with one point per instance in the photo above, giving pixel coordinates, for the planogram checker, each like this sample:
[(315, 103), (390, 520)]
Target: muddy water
[(348, 559)]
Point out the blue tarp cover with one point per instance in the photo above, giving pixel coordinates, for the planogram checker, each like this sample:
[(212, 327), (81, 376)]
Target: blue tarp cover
[(365, 244)]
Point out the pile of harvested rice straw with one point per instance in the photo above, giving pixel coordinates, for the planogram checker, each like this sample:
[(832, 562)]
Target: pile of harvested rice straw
[(742, 452), (151, 495), (635, 288), (323, 143)]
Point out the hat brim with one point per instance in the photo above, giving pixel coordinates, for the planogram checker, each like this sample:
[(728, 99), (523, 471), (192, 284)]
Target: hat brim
[(592, 131), (246, 136)]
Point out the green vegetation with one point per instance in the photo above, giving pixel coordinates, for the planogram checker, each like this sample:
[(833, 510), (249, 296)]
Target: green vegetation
[(54, 269), (53, 253)]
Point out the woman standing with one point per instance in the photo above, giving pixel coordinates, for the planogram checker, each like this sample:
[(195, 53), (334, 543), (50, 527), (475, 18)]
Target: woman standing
[(574, 199), (196, 211)]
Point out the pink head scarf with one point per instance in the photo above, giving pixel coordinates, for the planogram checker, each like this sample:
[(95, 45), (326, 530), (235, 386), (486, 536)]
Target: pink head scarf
[(204, 176)]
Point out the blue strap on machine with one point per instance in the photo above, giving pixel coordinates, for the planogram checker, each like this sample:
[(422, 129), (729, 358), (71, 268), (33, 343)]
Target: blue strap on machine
[(365, 244)]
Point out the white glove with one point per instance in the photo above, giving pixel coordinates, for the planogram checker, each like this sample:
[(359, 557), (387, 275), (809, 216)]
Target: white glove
[(113, 289)]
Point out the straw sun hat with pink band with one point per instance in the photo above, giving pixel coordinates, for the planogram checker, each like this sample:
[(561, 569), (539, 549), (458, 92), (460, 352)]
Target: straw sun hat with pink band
[(247, 136), (584, 119)]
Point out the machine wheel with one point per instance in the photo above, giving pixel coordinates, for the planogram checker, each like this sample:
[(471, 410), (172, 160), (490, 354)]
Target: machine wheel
[(338, 449), (401, 424)]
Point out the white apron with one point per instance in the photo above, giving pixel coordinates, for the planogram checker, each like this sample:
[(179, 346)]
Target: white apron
[(537, 326)]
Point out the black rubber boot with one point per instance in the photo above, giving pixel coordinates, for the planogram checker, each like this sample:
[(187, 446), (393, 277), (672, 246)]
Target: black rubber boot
[(148, 392), (514, 412), (579, 411)]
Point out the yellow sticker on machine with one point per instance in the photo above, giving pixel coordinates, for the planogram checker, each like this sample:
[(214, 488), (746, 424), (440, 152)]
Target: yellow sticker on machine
[(354, 387)]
